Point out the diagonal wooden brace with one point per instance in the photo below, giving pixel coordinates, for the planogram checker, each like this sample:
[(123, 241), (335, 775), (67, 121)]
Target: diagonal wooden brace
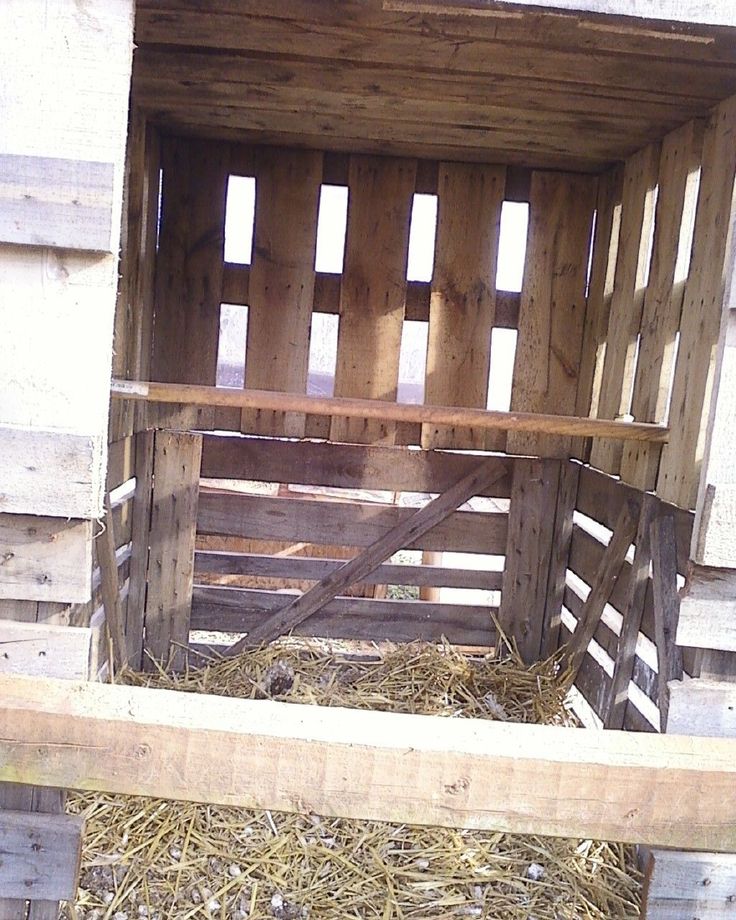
[(373, 556)]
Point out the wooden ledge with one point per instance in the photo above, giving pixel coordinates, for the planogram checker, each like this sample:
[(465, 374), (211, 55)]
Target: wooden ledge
[(189, 394)]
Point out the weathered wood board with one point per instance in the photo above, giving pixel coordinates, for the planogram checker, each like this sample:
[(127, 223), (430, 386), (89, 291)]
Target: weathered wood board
[(678, 885), (41, 854), (45, 650), (702, 707), (708, 610)]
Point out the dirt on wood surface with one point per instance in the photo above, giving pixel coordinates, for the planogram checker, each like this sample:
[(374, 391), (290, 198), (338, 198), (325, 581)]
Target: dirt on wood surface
[(157, 859)]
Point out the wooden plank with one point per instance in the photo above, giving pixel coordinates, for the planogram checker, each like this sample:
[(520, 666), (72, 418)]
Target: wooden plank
[(171, 559), (560, 557), (47, 559), (534, 422), (50, 473), (613, 560), (45, 650), (678, 885), (189, 266), (344, 466), (528, 553), (373, 289), (114, 617), (41, 855), (627, 302), (51, 201), (405, 532), (702, 707), (259, 517), (434, 771), (708, 610), (462, 305), (552, 312), (238, 610), (600, 292), (305, 568), (678, 165), (140, 528), (666, 608), (48, 801), (702, 313), (281, 284), (623, 669)]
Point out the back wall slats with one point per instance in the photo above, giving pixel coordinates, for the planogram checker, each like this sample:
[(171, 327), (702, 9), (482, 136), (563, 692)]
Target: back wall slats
[(463, 303), (373, 290), (281, 283)]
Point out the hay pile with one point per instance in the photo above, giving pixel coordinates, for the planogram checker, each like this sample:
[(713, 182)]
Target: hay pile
[(156, 859)]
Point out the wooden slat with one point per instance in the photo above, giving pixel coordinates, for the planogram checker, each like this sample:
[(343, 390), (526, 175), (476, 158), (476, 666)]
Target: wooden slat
[(666, 609), (51, 473), (708, 610), (528, 552), (623, 669), (237, 610), (47, 559), (171, 561), (41, 855), (281, 284), (344, 466), (552, 312), (304, 568), (560, 557), (373, 289), (438, 771), (684, 885), (637, 217), (114, 617), (189, 266), (405, 532), (701, 313), (679, 160), (613, 560), (45, 650), (462, 305), (533, 422), (140, 527), (702, 707), (341, 523)]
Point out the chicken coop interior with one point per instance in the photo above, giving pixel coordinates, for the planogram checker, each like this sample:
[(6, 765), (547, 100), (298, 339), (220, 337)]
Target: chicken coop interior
[(310, 436)]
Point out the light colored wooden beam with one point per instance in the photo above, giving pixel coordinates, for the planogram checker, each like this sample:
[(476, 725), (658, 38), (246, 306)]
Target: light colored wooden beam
[(660, 790), (388, 411), (45, 649), (708, 610)]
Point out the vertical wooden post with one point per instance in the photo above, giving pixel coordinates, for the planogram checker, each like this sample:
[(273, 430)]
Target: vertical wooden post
[(176, 467), (666, 609), (140, 528), (567, 494), (528, 553)]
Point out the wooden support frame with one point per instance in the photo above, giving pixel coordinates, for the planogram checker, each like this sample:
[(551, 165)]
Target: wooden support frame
[(407, 531), (658, 789)]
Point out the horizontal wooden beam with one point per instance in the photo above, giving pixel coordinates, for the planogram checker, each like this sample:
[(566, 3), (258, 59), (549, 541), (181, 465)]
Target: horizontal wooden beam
[(45, 649), (190, 394), (39, 856), (659, 790), (304, 568), (708, 609), (702, 707)]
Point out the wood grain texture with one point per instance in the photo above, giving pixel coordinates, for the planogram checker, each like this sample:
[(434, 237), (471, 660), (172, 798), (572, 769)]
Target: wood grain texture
[(552, 312), (678, 164), (176, 466), (627, 301), (373, 290), (114, 615), (528, 552), (708, 610), (567, 491), (45, 559), (702, 707), (140, 528), (666, 608), (462, 304), (452, 772), (678, 885), (45, 649), (234, 610), (407, 531), (340, 523), (701, 314), (41, 855), (344, 466), (281, 283)]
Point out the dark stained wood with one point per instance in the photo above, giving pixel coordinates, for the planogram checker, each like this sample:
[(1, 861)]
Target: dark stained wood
[(343, 523), (666, 608), (405, 532), (560, 556), (40, 855), (114, 619), (140, 526), (241, 610), (345, 466)]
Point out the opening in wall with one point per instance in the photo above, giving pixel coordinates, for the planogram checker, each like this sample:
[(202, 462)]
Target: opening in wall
[(332, 222), (501, 372), (512, 246), (422, 233), (240, 219), (322, 354), (231, 345), (412, 362)]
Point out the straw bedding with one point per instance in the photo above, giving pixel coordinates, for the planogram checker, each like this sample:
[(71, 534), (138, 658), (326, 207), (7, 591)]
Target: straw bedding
[(146, 858)]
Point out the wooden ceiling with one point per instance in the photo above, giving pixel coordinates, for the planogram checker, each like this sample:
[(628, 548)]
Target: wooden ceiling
[(396, 76)]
